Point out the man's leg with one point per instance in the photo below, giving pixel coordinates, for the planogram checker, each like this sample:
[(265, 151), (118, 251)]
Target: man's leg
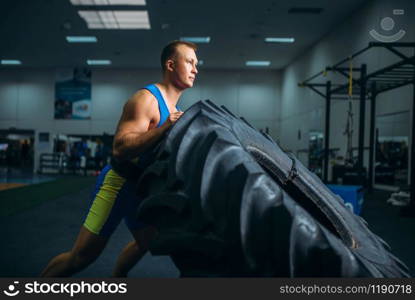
[(87, 248), (134, 250), (105, 213)]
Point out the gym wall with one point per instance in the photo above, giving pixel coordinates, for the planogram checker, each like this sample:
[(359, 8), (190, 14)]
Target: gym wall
[(27, 99), (302, 109)]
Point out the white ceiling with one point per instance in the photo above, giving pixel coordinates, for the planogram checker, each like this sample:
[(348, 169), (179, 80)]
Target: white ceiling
[(34, 31)]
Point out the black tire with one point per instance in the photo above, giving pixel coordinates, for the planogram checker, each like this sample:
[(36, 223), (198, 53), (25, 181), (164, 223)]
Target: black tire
[(229, 202)]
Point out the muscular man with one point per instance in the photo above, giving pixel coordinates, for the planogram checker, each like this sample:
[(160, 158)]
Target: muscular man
[(145, 118)]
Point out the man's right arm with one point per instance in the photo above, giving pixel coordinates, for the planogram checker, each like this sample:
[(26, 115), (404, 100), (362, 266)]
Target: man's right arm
[(134, 135)]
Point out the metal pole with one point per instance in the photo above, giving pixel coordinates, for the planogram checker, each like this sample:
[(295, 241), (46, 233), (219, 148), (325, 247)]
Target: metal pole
[(372, 134), (327, 133), (409, 211), (412, 203), (362, 112)]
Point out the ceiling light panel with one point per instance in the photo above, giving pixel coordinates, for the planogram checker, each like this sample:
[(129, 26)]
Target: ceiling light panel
[(279, 40), (81, 39), (98, 62), (10, 62), (196, 39), (119, 19), (258, 63), (108, 2)]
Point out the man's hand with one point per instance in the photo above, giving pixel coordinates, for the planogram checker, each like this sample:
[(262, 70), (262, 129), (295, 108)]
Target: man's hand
[(173, 117)]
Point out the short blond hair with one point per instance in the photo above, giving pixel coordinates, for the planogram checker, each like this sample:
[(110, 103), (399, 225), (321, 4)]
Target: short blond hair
[(170, 50)]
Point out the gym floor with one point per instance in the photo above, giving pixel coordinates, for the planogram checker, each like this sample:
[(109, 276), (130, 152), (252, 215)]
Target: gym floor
[(32, 236)]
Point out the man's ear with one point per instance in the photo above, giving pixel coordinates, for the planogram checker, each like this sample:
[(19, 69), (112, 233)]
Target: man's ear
[(170, 65)]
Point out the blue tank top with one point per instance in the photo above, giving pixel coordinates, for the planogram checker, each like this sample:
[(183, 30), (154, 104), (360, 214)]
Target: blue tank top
[(164, 111), (132, 169)]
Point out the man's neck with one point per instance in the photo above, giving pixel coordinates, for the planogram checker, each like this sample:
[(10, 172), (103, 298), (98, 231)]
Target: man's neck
[(171, 93)]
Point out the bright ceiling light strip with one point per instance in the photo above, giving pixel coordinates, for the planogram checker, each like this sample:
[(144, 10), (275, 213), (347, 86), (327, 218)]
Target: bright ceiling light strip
[(81, 39), (196, 39), (128, 14), (11, 62), (127, 2), (108, 2), (279, 40), (108, 19), (258, 63), (96, 26), (89, 16), (79, 2), (98, 62), (107, 16), (137, 16), (130, 26)]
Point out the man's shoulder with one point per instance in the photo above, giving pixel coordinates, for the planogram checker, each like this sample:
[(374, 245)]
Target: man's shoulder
[(142, 95), (143, 98)]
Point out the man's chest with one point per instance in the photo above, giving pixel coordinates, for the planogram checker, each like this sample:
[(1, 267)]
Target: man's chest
[(157, 114)]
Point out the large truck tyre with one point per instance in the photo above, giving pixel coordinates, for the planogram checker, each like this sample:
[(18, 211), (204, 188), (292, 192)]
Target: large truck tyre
[(229, 202)]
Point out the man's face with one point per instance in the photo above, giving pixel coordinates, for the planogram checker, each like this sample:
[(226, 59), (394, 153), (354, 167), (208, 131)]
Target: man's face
[(184, 67)]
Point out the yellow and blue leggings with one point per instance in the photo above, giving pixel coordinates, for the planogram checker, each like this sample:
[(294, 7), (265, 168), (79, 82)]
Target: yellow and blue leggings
[(113, 199)]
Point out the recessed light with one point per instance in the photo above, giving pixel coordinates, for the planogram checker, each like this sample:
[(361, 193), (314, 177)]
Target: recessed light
[(98, 62), (10, 62), (196, 39), (200, 63), (108, 2), (117, 19), (279, 40), (81, 39), (257, 63)]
